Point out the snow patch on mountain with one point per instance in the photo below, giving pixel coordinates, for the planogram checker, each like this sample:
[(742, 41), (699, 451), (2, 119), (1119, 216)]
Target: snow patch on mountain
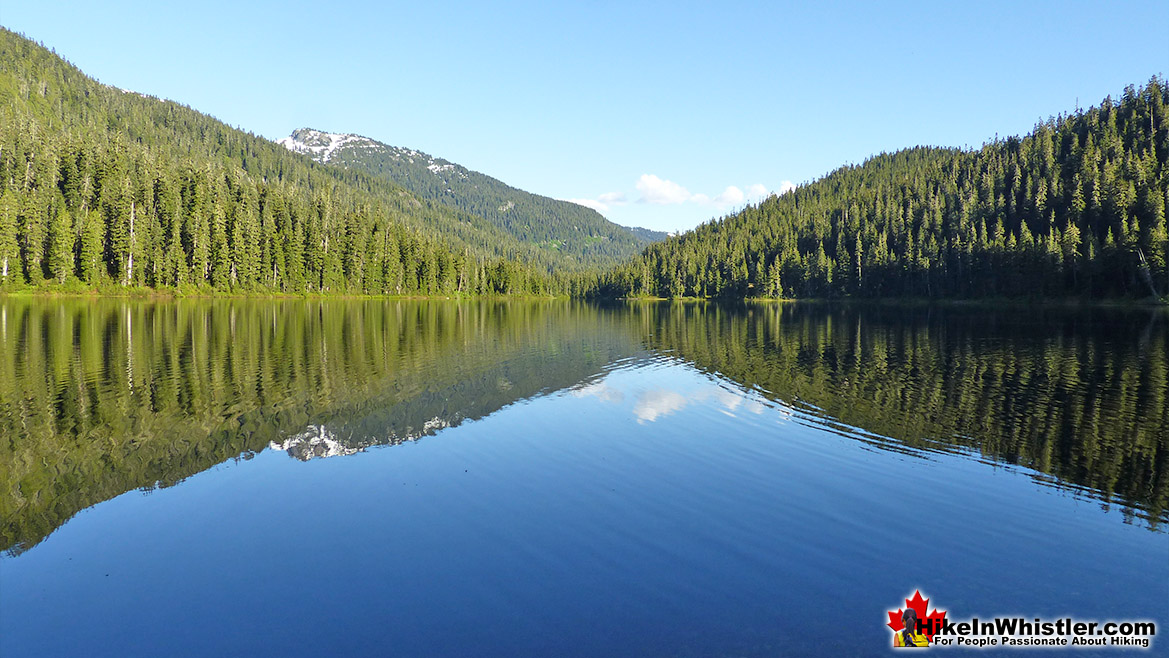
[(138, 93), (321, 146)]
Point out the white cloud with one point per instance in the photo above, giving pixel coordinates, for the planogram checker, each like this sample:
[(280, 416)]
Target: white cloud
[(732, 196), (662, 192), (666, 192)]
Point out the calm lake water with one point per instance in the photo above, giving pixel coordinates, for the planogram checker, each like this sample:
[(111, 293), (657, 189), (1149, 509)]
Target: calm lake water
[(525, 478)]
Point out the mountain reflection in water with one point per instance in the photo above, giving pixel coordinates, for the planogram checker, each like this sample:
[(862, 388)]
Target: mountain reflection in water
[(1078, 396), (100, 397)]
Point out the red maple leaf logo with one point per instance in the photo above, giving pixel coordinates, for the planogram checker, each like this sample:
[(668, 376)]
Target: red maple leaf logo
[(919, 605)]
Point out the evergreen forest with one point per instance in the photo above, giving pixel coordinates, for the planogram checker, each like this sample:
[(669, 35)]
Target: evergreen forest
[(106, 189), (1075, 209)]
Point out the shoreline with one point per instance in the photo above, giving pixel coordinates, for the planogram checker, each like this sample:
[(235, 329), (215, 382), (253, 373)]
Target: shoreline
[(171, 295), (996, 302)]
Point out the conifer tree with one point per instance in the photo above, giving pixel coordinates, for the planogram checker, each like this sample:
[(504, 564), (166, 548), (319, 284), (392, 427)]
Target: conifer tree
[(9, 247), (62, 240), (92, 232)]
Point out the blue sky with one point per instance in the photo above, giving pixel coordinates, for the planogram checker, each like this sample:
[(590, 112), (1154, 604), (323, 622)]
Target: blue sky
[(660, 114)]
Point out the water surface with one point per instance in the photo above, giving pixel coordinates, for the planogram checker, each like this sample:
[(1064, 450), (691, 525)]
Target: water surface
[(550, 478)]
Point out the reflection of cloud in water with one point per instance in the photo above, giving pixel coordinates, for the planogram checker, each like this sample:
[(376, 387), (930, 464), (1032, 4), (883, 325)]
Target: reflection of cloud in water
[(728, 400), (600, 390), (659, 402), (654, 404)]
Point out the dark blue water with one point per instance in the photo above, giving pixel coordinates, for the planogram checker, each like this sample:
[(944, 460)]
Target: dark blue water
[(651, 507)]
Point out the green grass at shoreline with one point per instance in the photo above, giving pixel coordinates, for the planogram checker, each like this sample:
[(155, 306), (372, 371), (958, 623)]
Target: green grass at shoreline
[(200, 293), (989, 302), (77, 291)]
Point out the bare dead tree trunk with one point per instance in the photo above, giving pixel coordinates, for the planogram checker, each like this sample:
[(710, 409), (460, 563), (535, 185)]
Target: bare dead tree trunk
[(130, 249), (1146, 274)]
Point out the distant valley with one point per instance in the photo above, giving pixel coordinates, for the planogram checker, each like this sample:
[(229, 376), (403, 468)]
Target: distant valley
[(581, 234)]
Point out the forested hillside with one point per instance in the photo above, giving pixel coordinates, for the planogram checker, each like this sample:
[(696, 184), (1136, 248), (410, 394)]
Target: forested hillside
[(1077, 208), (104, 188), (579, 234)]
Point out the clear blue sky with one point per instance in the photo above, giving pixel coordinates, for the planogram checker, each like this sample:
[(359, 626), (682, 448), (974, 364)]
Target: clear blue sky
[(653, 109)]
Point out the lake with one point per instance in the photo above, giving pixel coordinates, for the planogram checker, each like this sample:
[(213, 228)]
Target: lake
[(256, 477)]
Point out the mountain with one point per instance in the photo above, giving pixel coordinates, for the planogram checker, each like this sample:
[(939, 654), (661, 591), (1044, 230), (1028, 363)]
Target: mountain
[(104, 188), (1075, 209), (579, 233), (648, 234)]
